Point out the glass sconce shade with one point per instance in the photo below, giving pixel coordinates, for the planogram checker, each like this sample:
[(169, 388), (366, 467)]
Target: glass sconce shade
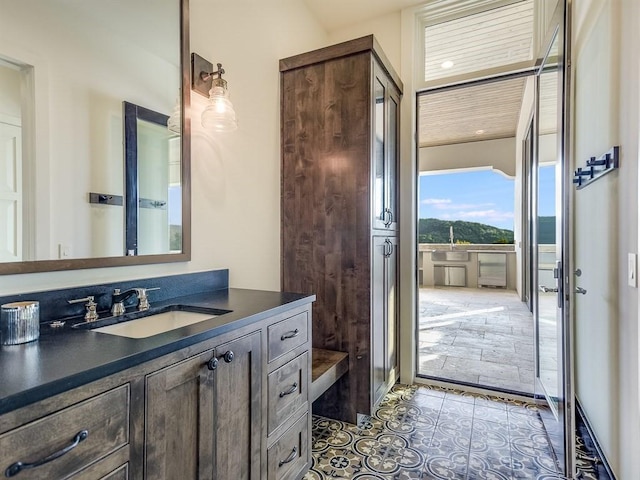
[(174, 124), (219, 114)]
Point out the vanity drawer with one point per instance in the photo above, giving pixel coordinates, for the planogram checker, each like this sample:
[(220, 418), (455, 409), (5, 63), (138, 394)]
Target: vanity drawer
[(288, 390), (104, 417), (288, 458), (287, 334), (121, 473)]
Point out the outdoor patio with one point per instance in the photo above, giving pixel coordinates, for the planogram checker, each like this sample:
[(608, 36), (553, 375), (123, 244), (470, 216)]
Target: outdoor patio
[(481, 336)]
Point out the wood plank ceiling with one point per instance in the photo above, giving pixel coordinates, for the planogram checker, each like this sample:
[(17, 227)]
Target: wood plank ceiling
[(474, 43), (470, 114)]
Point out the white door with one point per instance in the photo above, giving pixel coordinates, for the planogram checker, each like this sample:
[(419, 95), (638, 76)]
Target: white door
[(10, 192)]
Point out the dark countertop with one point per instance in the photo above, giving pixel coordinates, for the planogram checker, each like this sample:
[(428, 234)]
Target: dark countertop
[(66, 359)]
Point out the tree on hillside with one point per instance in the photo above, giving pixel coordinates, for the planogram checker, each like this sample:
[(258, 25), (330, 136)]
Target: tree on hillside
[(433, 230)]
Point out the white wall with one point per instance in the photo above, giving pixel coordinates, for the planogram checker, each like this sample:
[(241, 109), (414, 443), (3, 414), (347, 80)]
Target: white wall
[(235, 178), (236, 187), (607, 74), (386, 30), (10, 91)]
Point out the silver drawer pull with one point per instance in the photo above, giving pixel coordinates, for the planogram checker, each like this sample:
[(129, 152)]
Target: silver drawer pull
[(291, 334), (290, 458), (17, 467), (289, 390)]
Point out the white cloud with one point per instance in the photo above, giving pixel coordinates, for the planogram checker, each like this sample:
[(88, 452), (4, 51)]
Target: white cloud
[(493, 215), (436, 201), (448, 204), (466, 206)]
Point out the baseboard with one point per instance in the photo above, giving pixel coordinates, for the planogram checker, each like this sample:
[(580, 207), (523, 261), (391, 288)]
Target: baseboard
[(591, 443)]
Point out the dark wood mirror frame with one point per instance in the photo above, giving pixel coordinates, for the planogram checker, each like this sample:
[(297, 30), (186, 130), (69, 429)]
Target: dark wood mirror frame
[(81, 263)]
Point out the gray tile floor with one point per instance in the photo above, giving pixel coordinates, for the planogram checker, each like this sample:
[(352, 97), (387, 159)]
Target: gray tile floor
[(479, 336), (427, 432)]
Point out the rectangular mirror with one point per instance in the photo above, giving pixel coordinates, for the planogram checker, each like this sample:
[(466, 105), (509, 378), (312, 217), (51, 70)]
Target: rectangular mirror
[(69, 196)]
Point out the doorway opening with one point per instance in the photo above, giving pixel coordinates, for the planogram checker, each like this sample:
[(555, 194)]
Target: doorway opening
[(505, 120), (473, 326)]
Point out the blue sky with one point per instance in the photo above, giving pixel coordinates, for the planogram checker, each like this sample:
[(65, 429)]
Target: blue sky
[(482, 196)]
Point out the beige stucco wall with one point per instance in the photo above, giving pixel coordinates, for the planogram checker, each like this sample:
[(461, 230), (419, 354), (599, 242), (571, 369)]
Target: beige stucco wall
[(498, 154)]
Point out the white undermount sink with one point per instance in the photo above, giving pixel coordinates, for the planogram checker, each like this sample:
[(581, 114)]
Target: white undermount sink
[(154, 324)]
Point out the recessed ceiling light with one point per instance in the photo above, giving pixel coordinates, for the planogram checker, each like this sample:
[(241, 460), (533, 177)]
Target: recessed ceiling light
[(447, 64), (479, 132)]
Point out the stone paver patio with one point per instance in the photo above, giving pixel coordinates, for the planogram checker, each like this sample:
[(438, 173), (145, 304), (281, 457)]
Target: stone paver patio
[(479, 336)]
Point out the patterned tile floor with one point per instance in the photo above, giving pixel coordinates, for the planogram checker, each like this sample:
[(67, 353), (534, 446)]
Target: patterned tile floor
[(428, 432)]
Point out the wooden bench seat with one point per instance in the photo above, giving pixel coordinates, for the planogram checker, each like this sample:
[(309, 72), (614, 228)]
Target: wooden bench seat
[(327, 367)]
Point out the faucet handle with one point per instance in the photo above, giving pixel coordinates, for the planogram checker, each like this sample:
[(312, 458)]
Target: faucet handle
[(143, 300), (91, 315)]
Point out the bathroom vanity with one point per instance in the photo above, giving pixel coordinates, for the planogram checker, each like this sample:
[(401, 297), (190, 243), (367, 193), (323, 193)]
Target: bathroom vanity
[(226, 397)]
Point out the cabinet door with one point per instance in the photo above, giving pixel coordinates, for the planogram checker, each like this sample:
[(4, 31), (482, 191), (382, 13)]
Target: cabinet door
[(379, 197), (179, 423), (385, 129), (391, 164), (378, 356), (384, 316), (238, 410)]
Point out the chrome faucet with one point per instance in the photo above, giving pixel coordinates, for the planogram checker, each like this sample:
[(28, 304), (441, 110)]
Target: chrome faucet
[(117, 301), (118, 298)]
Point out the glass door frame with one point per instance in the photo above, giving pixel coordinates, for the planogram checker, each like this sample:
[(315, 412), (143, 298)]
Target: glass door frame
[(560, 424)]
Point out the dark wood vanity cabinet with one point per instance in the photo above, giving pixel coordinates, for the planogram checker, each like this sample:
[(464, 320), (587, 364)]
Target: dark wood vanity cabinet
[(234, 407), (238, 409), (179, 420), (340, 109), (201, 413), (94, 432)]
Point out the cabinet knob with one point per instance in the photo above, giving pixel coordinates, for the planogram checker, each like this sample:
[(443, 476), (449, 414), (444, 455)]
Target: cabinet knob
[(228, 356), (212, 364)]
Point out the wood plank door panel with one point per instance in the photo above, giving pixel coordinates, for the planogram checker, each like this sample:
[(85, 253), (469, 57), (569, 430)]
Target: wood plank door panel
[(378, 305), (179, 434), (326, 239), (238, 409)]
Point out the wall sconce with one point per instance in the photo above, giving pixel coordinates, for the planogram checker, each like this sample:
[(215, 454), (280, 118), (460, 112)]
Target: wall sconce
[(219, 114), (174, 123)]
